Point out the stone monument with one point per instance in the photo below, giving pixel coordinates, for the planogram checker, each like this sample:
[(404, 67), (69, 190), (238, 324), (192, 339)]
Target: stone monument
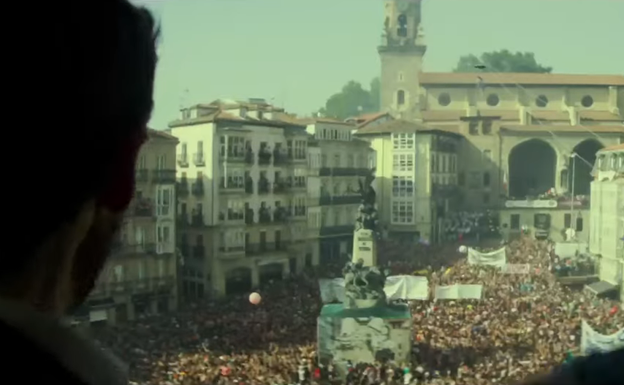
[(365, 327)]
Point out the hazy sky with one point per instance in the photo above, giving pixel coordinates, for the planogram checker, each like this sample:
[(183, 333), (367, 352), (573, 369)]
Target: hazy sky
[(299, 52)]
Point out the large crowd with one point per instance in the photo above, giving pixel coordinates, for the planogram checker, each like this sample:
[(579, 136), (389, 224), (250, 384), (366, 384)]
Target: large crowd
[(525, 323)]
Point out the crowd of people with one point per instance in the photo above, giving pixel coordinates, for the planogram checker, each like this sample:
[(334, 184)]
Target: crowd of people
[(525, 323)]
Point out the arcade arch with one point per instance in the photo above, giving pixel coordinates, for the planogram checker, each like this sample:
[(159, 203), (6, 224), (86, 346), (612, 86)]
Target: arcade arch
[(532, 167)]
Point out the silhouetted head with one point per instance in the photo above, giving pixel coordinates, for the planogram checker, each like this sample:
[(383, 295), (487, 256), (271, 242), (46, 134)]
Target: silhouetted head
[(81, 85)]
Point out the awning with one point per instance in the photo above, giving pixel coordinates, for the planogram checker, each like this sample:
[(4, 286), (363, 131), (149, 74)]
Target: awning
[(600, 287)]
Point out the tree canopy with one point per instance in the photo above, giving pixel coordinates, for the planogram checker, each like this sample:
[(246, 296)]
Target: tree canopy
[(352, 100), (355, 100), (501, 61)]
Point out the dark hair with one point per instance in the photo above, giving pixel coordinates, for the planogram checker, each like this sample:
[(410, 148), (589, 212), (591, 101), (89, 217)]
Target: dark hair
[(80, 86)]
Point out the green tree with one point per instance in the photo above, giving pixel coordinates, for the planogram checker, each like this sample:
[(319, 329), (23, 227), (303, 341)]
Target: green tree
[(501, 61), (352, 100)]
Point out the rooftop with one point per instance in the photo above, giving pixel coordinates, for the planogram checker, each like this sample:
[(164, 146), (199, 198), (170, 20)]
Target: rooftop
[(396, 126)]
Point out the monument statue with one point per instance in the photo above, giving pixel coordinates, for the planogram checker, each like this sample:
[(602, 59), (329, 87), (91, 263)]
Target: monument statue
[(367, 212), (365, 327)]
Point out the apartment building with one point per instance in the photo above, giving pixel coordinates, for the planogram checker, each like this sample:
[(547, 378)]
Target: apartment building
[(607, 215), (417, 174), (242, 186), (338, 161), (140, 276)]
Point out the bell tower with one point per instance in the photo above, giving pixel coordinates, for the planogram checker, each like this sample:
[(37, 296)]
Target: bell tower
[(401, 52)]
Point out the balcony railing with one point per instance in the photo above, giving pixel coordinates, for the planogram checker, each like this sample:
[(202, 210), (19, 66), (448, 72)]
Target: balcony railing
[(183, 160), (267, 247), (231, 249), (142, 208), (199, 251), (232, 185), (264, 186), (198, 188), (121, 249), (280, 157), (182, 188), (327, 200), (199, 159), (264, 157), (234, 156), (197, 220), (164, 176), (328, 231), (250, 157)]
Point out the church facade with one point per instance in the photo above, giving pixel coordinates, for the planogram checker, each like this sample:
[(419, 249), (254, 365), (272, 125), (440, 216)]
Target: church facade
[(527, 141)]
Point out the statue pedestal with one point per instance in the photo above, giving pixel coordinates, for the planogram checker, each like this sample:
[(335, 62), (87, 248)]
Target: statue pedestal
[(364, 334), (350, 303), (365, 247)]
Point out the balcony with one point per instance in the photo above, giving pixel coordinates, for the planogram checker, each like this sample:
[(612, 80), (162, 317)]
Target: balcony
[(228, 251), (164, 176), (141, 208), (199, 159), (326, 200), (325, 171), (264, 157), (335, 231), (249, 183), (198, 188), (280, 215), (231, 185), (122, 249), (142, 175), (199, 251), (264, 187), (185, 250), (197, 220), (280, 187), (183, 160), (297, 184), (182, 188), (253, 249), (234, 156), (234, 216), (264, 216), (344, 171), (250, 157), (183, 219), (249, 217), (280, 157)]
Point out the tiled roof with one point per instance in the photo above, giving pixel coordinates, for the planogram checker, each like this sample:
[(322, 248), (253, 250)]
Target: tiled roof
[(448, 78), (225, 116), (564, 128), (617, 147), (160, 134), (395, 126)]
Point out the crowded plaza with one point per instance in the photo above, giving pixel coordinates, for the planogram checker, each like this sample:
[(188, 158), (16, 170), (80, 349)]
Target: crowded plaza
[(524, 324)]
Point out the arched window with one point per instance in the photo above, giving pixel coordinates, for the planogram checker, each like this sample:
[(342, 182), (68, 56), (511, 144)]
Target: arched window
[(402, 25), (400, 97)]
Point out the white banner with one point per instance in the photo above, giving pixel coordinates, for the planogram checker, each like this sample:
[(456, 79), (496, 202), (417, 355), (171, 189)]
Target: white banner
[(569, 249), (495, 258), (459, 292), (594, 342), (522, 268), (397, 287)]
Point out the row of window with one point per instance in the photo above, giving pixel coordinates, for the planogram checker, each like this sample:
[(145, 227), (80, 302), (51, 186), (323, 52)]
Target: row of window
[(443, 163), (493, 100), (334, 134), (567, 222), (161, 162), (338, 216), (611, 162), (120, 274), (349, 161)]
